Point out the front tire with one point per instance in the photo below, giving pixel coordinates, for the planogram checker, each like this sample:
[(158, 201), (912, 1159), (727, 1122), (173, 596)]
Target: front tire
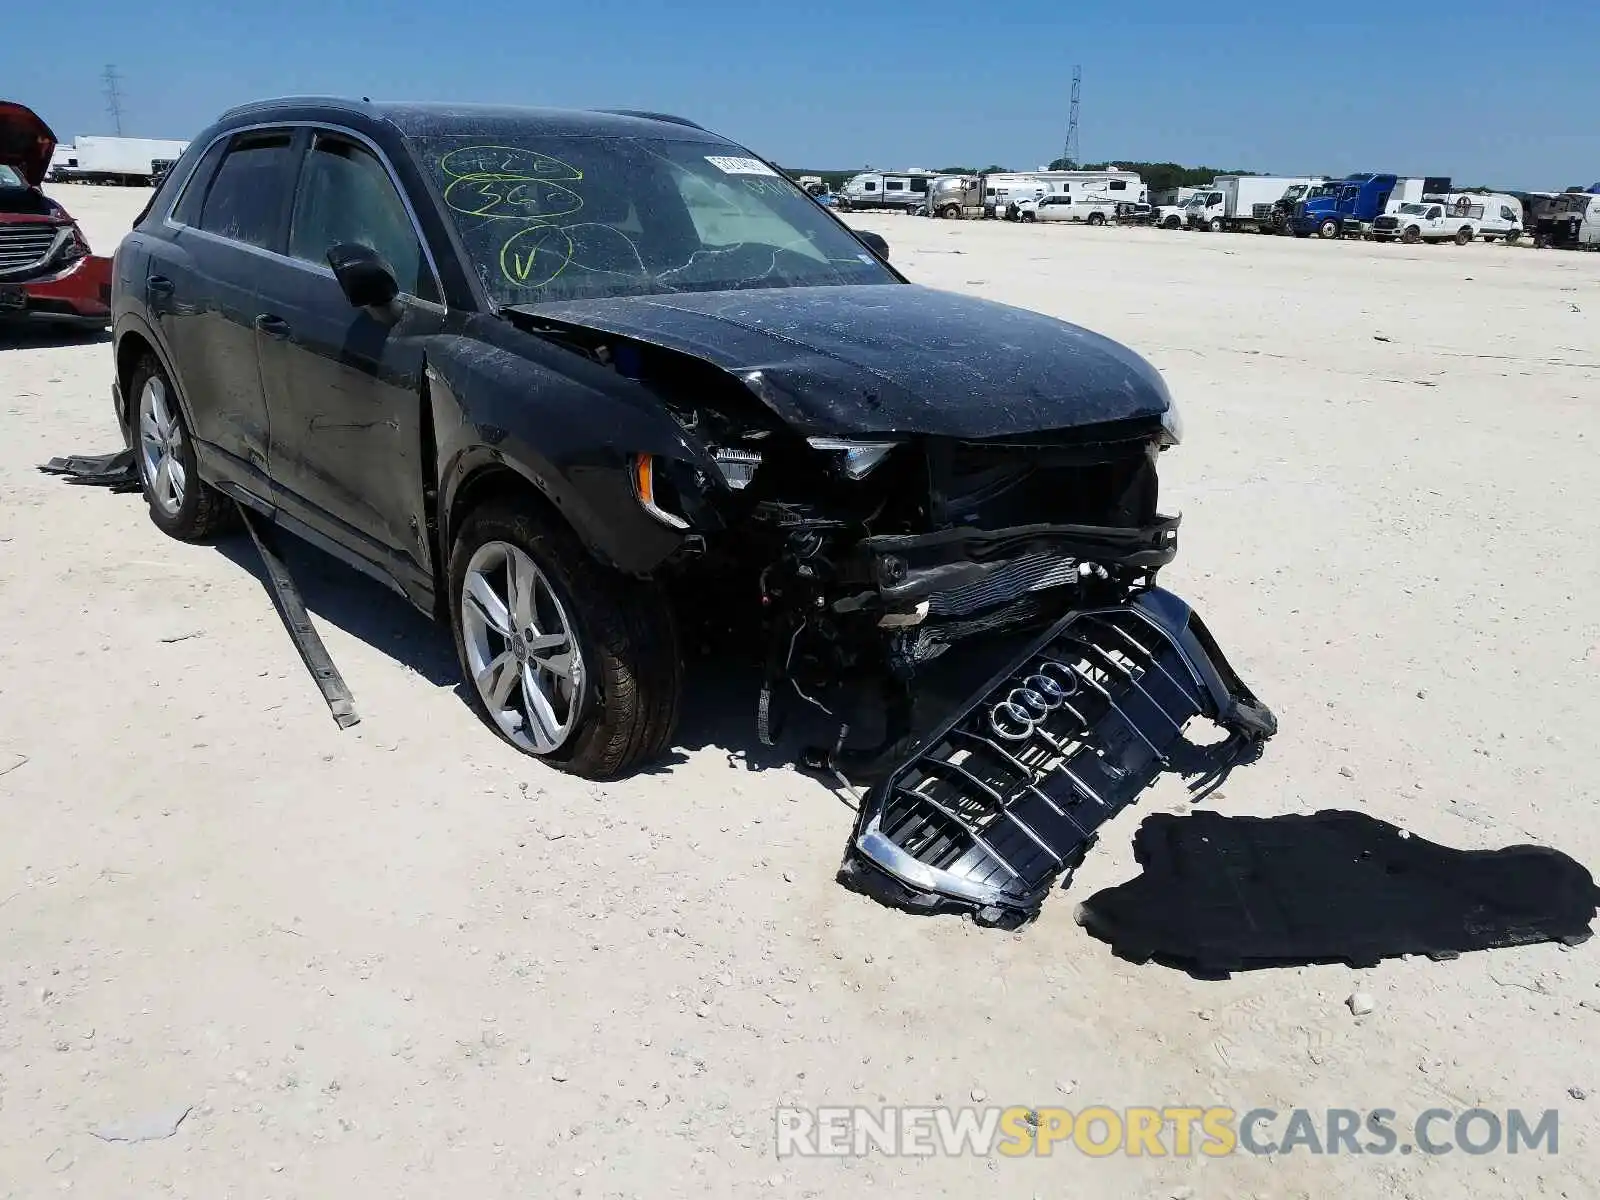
[(181, 504), (1411, 236), (1328, 229), (568, 661)]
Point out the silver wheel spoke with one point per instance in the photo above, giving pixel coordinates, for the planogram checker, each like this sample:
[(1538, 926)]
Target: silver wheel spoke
[(177, 479), (158, 405), (487, 604), (522, 580), (540, 712), (497, 679), (557, 664)]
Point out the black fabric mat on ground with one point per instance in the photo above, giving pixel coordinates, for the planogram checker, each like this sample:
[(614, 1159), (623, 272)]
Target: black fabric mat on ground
[(1221, 894)]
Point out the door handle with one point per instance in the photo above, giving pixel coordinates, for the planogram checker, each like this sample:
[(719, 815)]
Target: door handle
[(273, 327), (159, 285)]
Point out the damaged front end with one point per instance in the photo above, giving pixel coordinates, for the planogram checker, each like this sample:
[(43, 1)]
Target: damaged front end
[(857, 561)]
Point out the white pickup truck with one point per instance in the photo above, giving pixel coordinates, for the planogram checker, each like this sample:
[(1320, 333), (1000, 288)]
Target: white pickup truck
[(1429, 221)]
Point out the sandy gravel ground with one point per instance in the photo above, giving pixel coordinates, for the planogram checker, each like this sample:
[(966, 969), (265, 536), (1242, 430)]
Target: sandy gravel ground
[(401, 961)]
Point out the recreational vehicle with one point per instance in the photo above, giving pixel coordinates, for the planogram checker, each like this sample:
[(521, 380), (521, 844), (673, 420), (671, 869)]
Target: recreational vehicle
[(902, 190), (1572, 222)]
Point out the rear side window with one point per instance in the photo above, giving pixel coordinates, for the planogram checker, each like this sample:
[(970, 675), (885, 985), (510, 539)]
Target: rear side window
[(346, 195), (1119, 185), (245, 200), (187, 210)]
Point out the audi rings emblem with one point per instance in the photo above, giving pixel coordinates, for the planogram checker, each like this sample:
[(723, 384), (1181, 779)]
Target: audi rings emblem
[(1064, 675), (1017, 717)]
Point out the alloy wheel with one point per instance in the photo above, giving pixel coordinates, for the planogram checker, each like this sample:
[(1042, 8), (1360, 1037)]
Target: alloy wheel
[(160, 444), (522, 649)]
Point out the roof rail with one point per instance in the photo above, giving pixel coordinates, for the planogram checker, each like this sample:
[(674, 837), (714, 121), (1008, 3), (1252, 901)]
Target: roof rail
[(285, 101), (650, 116)]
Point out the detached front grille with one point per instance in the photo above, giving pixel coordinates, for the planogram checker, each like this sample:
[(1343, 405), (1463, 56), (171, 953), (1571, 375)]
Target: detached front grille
[(23, 246), (998, 803)]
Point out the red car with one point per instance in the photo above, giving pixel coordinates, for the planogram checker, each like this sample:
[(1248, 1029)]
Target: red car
[(46, 270)]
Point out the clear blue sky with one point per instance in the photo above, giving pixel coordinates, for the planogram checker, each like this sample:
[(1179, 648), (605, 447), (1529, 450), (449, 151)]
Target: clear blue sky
[(1500, 93)]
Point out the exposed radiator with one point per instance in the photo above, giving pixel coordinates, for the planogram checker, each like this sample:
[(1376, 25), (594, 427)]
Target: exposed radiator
[(1031, 573)]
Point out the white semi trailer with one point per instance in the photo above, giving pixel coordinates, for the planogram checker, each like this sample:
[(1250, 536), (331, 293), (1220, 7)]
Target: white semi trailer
[(134, 161)]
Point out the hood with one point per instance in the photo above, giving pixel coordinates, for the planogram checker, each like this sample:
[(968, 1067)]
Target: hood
[(890, 358), (26, 142)]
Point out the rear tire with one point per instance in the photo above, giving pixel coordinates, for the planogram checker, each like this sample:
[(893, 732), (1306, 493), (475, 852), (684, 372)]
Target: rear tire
[(181, 505), (624, 677), (1513, 237), (1097, 218), (1463, 235)]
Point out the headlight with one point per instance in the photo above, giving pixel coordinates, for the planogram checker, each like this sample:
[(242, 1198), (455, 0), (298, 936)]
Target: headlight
[(856, 459), (1171, 425), (73, 247)]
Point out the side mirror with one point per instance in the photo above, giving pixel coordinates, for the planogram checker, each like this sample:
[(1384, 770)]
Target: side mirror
[(367, 281), (874, 242)]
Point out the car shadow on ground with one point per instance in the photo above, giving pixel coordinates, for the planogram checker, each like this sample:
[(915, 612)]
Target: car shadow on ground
[(721, 685), (352, 602), (1220, 894), (718, 708), (42, 335)]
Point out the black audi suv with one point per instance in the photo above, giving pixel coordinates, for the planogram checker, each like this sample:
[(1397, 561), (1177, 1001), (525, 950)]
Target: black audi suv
[(576, 381)]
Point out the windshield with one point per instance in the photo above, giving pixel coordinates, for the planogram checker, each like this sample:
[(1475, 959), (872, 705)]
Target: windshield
[(573, 218), (10, 178), (1323, 189), (1195, 202), (1412, 210), (1294, 191)]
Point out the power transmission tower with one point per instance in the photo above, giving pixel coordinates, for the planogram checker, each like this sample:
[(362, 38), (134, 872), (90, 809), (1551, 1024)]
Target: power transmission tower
[(1071, 152), (113, 97)]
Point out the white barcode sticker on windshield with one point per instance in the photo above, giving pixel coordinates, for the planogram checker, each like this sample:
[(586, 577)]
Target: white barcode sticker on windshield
[(740, 166)]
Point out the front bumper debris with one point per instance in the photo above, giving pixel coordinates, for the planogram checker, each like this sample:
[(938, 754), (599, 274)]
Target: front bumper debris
[(1005, 797)]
